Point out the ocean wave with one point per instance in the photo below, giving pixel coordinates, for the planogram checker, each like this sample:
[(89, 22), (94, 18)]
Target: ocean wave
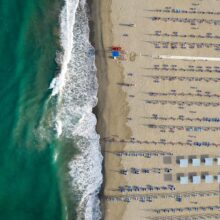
[(76, 88)]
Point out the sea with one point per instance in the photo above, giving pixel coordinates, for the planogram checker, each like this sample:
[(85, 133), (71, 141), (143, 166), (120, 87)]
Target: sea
[(50, 159)]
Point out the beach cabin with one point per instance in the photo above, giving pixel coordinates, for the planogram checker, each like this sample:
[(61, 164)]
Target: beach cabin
[(218, 178), (183, 162), (208, 161), (196, 162), (184, 180), (209, 179), (196, 179)]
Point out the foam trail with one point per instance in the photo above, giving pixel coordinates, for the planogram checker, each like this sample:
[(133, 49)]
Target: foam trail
[(76, 88), (67, 23)]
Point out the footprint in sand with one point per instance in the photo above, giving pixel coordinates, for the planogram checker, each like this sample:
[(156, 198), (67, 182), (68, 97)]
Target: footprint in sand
[(132, 56)]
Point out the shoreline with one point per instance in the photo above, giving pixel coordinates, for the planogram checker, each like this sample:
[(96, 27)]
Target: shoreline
[(111, 116), (96, 40)]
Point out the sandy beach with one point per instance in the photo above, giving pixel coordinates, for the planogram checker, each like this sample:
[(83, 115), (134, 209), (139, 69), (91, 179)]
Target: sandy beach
[(159, 107)]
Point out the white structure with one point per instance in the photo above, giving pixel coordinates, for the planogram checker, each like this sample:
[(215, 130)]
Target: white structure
[(218, 178), (183, 162), (218, 160), (188, 58), (209, 179), (208, 161), (196, 162), (196, 179), (184, 180)]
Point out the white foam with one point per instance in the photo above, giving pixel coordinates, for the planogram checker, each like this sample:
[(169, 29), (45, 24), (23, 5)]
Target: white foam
[(67, 22), (76, 87), (59, 128), (55, 157)]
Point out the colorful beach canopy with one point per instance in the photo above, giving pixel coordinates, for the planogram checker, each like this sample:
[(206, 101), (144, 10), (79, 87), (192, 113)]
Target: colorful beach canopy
[(115, 53), (116, 48)]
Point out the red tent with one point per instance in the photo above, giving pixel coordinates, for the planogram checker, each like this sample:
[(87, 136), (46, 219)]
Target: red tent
[(116, 48)]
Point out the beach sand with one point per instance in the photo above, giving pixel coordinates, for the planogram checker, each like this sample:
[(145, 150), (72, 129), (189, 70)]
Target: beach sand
[(142, 108)]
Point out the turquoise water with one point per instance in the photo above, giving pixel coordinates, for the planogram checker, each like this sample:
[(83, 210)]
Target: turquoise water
[(29, 179)]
